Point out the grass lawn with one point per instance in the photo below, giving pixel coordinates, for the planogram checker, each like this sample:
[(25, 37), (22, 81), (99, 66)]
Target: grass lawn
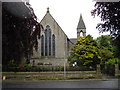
[(51, 75)]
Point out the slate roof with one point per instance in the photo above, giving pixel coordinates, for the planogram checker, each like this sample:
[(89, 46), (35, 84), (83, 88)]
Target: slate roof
[(73, 40), (81, 24)]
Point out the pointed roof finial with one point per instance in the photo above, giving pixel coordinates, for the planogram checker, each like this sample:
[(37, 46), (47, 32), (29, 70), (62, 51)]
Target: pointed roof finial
[(48, 10)]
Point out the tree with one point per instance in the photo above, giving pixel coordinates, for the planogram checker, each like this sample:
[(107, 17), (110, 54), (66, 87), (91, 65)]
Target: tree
[(85, 52), (109, 13), (116, 47), (20, 31), (105, 54), (106, 48), (104, 41)]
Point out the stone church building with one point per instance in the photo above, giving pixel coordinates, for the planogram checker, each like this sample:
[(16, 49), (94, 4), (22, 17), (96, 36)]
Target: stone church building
[(54, 45)]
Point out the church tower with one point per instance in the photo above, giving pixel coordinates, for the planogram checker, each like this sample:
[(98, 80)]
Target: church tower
[(81, 29)]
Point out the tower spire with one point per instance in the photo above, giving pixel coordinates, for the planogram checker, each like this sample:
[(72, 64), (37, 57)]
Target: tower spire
[(81, 24), (81, 27)]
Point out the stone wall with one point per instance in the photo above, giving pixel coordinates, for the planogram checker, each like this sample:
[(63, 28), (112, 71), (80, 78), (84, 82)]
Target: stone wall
[(54, 62)]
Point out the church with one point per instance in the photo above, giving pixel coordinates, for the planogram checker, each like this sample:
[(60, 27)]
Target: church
[(54, 45)]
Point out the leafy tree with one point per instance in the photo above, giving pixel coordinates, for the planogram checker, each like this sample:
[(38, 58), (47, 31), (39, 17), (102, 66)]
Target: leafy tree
[(107, 50), (104, 41), (105, 54), (85, 52), (109, 13), (20, 31), (116, 47)]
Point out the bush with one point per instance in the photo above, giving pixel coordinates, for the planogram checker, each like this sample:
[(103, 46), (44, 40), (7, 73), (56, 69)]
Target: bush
[(27, 67), (44, 68), (12, 66), (81, 68), (113, 61)]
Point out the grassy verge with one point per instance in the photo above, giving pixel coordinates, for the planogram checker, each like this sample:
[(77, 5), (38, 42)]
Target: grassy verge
[(70, 75), (57, 78)]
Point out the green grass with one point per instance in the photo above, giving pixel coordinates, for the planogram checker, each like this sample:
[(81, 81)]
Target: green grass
[(50, 75), (55, 78), (43, 78)]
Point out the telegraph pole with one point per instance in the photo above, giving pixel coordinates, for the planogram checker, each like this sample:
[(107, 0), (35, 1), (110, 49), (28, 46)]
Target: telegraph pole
[(65, 60)]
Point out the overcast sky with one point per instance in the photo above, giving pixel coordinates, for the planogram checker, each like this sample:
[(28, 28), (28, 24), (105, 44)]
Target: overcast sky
[(67, 14)]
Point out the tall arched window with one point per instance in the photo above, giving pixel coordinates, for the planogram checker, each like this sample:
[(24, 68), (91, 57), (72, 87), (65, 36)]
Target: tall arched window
[(53, 44), (46, 46), (49, 35), (48, 43), (42, 45)]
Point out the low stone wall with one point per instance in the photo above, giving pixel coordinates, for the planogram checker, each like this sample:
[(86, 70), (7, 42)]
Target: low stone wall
[(51, 61), (70, 74)]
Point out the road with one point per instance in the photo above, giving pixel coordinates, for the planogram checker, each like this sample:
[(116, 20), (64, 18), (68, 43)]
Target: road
[(100, 84)]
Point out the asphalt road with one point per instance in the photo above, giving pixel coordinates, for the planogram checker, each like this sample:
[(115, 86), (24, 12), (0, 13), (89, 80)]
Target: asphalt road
[(95, 84)]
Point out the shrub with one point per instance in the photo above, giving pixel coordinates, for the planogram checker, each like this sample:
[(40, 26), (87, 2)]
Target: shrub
[(113, 61), (40, 63), (27, 67), (81, 68), (13, 66)]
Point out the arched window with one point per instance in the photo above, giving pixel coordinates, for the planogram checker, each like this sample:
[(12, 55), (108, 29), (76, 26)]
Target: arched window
[(49, 35), (42, 45), (46, 43), (53, 44)]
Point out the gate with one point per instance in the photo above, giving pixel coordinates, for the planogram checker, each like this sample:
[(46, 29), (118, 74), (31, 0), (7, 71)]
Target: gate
[(108, 69)]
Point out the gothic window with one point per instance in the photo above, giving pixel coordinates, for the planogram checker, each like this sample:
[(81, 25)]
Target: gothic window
[(46, 46), (53, 44), (42, 45), (49, 34), (48, 43)]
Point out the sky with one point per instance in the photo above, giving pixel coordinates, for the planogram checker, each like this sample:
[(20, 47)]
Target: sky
[(67, 14)]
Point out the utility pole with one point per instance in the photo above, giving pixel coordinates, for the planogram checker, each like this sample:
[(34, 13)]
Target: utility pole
[(64, 70), (65, 60)]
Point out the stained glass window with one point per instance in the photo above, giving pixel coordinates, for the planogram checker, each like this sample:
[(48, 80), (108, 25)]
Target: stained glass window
[(42, 45), (46, 46), (53, 44), (49, 42)]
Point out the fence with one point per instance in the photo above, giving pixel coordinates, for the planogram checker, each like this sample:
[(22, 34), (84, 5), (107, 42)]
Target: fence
[(112, 70), (109, 69), (46, 68), (57, 73)]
